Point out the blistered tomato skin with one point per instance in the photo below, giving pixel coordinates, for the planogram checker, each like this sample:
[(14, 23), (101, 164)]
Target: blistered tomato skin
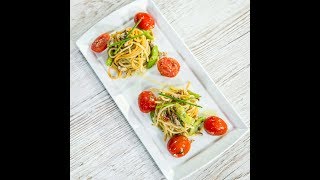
[(147, 21), (215, 126), (146, 101), (100, 43), (178, 145), (168, 67)]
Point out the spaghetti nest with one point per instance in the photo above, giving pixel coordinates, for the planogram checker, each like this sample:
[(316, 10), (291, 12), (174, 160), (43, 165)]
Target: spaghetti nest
[(177, 112), (130, 57)]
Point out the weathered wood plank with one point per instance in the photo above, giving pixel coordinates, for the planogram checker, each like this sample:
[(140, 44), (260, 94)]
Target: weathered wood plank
[(103, 145)]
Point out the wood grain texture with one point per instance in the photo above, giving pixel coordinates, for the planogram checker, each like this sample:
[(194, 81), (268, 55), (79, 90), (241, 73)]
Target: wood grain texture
[(102, 143)]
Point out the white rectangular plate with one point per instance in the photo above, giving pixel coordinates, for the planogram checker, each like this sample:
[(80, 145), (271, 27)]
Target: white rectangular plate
[(125, 92)]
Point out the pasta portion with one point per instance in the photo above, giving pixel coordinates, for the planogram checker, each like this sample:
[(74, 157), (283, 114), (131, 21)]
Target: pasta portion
[(129, 56), (176, 112)]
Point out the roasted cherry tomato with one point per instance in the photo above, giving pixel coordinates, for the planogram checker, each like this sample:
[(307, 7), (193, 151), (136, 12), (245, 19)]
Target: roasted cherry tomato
[(100, 43), (168, 67), (178, 145), (215, 126), (147, 102), (147, 21)]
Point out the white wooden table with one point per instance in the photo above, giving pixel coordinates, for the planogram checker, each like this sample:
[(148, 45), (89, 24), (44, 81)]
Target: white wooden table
[(102, 143)]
